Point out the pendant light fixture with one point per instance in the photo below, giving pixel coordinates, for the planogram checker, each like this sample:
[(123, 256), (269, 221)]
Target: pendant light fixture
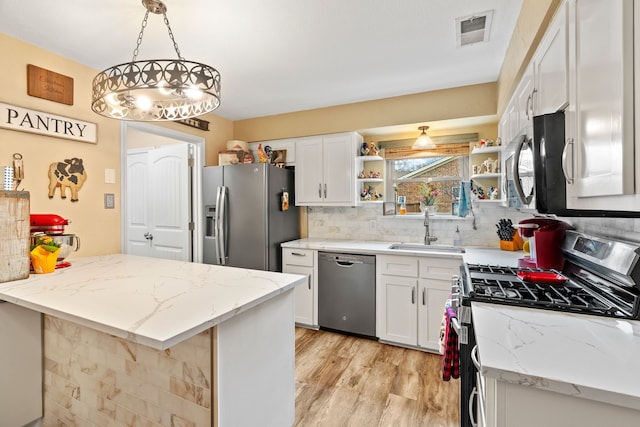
[(423, 142), (156, 89)]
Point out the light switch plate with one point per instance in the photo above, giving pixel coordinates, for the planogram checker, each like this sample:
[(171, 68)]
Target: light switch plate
[(109, 200), (109, 176)]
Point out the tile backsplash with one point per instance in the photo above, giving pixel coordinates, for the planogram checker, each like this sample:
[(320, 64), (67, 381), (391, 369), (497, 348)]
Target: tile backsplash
[(368, 223)]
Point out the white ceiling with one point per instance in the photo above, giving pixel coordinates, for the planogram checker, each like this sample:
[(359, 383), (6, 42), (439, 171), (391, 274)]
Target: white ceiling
[(278, 56)]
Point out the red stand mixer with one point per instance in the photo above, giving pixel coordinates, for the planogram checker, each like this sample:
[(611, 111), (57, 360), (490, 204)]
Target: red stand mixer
[(545, 236), (53, 226)]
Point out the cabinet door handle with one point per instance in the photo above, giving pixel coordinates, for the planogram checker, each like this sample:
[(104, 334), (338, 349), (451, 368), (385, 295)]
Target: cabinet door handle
[(320, 189), (526, 109), (298, 254), (413, 295), (325, 190), (565, 151), (424, 296), (533, 102), (309, 281)]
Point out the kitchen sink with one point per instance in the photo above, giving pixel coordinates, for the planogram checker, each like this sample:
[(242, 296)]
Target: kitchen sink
[(427, 248)]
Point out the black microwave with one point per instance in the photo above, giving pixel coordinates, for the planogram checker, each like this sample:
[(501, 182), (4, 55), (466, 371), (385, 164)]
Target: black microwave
[(534, 180)]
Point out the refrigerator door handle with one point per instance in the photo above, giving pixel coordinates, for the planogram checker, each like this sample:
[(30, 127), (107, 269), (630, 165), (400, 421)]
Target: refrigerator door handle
[(216, 222), (221, 223)]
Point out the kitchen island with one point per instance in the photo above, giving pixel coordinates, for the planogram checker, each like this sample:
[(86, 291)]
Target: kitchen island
[(143, 341)]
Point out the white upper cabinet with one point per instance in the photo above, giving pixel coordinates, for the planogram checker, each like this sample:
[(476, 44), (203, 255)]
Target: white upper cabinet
[(325, 170), (544, 86), (551, 67), (599, 154), (524, 101), (584, 65)]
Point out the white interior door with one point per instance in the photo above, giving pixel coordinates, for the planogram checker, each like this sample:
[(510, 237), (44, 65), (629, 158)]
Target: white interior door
[(170, 202), (159, 202), (137, 194)]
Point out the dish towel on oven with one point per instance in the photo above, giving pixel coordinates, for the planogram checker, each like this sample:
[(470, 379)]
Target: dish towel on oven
[(443, 326), (451, 358)]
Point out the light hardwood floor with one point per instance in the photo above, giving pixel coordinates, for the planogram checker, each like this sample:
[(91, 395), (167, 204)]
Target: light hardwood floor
[(348, 381)]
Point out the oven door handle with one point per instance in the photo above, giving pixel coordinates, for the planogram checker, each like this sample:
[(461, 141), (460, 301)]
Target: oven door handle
[(472, 416), (474, 357)]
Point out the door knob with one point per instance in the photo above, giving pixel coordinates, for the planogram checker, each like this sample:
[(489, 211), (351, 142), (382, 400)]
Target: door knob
[(148, 236)]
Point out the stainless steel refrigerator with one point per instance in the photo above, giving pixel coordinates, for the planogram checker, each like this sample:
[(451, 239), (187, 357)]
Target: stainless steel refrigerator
[(245, 220)]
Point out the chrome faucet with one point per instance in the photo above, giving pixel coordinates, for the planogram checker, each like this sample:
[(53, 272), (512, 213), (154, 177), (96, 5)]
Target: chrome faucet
[(427, 238)]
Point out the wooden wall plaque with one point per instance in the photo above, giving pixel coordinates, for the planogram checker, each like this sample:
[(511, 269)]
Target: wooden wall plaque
[(49, 85)]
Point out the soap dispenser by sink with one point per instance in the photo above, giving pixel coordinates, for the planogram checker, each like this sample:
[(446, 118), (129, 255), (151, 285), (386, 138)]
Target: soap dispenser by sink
[(457, 237)]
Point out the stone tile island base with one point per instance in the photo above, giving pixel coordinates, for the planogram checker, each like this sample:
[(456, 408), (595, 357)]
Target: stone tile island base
[(92, 378), (238, 373)]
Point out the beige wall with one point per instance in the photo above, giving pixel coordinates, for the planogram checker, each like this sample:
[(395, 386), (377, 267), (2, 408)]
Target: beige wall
[(98, 228), (461, 102)]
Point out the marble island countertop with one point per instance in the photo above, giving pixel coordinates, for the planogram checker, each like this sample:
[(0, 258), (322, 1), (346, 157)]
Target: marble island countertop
[(477, 255), (592, 357), (151, 301)]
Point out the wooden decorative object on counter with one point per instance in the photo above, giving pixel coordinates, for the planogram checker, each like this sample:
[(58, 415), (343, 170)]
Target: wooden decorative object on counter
[(14, 234)]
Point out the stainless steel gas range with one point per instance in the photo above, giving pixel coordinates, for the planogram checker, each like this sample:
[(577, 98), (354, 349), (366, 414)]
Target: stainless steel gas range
[(601, 277)]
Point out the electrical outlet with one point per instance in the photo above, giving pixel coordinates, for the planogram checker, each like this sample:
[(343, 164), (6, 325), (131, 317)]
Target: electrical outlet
[(109, 201)]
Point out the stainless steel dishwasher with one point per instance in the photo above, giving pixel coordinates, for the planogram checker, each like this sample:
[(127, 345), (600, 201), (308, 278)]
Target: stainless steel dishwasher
[(347, 293)]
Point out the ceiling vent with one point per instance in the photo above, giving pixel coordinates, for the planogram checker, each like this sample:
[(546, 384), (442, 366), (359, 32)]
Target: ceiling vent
[(473, 29)]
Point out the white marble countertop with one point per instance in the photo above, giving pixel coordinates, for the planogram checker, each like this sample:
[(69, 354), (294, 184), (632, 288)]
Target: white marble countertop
[(151, 301), (580, 355), (475, 255)]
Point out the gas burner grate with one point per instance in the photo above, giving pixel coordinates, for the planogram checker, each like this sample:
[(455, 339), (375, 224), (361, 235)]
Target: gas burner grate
[(500, 285)]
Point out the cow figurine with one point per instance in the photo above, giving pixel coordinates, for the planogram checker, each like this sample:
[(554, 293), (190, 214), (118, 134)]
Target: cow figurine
[(69, 173)]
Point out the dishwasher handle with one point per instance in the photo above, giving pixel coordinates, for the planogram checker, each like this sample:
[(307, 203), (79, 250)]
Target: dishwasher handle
[(347, 264)]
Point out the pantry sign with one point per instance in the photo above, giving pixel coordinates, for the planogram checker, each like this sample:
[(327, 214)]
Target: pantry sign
[(33, 121)]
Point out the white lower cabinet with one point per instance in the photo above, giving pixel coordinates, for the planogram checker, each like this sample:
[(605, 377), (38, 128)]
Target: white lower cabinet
[(432, 298), (397, 315), (510, 405), (303, 261), (411, 294)]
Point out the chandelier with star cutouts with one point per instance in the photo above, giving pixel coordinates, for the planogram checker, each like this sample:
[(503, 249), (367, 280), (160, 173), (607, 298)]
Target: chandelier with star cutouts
[(156, 89)]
